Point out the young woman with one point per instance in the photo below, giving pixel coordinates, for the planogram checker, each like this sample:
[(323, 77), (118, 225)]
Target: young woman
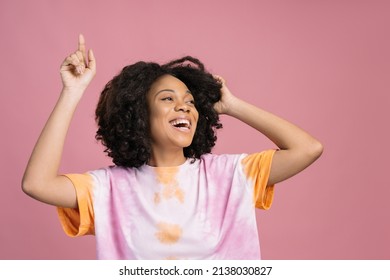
[(167, 197)]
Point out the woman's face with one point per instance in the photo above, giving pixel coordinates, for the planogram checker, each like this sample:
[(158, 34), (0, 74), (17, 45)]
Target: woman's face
[(172, 113)]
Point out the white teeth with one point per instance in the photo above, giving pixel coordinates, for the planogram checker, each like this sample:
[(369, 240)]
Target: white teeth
[(180, 121)]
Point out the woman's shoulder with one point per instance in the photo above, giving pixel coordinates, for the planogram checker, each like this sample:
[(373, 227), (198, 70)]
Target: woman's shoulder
[(111, 170), (221, 159)]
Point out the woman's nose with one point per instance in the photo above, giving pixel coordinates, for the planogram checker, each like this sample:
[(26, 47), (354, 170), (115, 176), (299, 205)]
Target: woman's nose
[(182, 106)]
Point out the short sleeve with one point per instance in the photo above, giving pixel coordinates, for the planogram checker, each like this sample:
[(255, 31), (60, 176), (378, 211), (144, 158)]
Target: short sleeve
[(257, 168), (80, 221)]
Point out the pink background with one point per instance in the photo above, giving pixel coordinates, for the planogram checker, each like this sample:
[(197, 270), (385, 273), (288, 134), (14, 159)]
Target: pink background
[(323, 65)]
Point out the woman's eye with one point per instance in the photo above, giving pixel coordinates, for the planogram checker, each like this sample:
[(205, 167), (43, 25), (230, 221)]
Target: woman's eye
[(191, 102), (167, 98)]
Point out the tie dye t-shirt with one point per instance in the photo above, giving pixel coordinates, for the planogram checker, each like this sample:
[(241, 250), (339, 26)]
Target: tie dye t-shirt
[(198, 210)]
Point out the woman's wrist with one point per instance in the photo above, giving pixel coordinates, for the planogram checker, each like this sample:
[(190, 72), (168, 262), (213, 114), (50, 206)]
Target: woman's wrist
[(231, 106), (71, 95)]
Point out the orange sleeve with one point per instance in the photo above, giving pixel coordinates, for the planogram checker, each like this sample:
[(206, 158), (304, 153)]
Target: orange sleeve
[(257, 168), (79, 221)]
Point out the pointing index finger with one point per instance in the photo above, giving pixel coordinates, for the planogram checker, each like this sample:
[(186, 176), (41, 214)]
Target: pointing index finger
[(81, 47), (81, 43)]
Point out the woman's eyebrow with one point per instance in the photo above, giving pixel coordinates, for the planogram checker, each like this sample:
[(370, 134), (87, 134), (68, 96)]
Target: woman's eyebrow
[(171, 90)]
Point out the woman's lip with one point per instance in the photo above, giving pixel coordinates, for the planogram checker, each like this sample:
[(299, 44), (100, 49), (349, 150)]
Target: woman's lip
[(182, 129), (181, 118)]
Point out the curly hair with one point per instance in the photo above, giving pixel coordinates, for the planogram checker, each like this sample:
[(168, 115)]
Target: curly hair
[(122, 110)]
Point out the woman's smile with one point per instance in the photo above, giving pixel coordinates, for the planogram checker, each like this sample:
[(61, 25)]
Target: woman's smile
[(181, 123)]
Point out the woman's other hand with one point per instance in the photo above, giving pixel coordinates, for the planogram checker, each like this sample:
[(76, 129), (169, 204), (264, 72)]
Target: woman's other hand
[(227, 98)]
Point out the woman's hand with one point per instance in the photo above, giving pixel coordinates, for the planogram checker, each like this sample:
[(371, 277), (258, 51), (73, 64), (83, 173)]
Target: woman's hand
[(77, 71), (227, 98)]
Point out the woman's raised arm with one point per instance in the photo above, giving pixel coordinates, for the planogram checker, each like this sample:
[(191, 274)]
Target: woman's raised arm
[(297, 148), (41, 179)]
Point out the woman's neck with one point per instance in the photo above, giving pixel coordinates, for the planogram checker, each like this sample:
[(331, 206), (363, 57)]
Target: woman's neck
[(166, 158)]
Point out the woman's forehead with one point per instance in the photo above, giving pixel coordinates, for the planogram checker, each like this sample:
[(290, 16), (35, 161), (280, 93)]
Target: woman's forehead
[(170, 83)]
